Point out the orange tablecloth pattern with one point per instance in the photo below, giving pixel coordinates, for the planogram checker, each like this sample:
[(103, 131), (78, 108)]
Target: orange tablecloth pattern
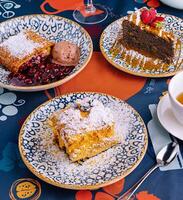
[(98, 76)]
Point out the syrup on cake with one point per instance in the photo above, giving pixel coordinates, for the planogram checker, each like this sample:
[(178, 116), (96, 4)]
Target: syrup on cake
[(19, 49), (84, 129), (144, 41), (142, 31)]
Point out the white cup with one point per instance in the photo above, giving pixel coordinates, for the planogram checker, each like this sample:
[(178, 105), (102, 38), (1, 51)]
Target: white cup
[(175, 88), (174, 3)]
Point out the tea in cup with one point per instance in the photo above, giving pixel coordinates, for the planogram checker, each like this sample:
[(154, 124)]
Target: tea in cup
[(180, 98), (175, 91)]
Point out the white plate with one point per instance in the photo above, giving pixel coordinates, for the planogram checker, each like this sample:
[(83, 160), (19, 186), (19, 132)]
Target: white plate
[(167, 118), (47, 161), (53, 28)]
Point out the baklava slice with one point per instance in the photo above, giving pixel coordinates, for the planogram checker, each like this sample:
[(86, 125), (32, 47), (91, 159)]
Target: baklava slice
[(17, 50), (84, 129)]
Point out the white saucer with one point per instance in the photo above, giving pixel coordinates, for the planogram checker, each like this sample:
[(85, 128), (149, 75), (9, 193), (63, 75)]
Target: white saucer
[(167, 118)]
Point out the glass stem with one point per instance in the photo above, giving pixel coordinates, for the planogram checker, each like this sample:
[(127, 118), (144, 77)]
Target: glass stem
[(90, 8)]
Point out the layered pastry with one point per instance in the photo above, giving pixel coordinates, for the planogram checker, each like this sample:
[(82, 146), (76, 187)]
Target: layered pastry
[(84, 129), (19, 49), (33, 60), (143, 32)]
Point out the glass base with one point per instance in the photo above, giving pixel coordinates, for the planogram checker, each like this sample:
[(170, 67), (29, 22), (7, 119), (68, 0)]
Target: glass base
[(90, 17)]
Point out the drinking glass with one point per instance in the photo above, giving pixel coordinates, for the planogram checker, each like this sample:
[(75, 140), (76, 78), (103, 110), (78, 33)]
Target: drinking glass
[(90, 13)]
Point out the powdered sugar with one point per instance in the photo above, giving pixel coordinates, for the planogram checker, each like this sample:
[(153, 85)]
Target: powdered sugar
[(45, 156), (123, 119), (19, 45), (99, 117), (122, 122)]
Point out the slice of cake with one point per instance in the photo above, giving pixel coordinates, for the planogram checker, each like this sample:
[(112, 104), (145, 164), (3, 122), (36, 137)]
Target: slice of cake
[(143, 32), (19, 49), (84, 129)]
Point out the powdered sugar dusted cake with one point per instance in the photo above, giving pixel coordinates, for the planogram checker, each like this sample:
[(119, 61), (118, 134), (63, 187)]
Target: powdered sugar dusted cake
[(84, 129), (19, 49)]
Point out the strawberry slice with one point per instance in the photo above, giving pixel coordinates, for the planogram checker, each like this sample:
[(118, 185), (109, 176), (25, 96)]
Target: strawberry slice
[(157, 22), (160, 19), (153, 13), (146, 16), (150, 17)]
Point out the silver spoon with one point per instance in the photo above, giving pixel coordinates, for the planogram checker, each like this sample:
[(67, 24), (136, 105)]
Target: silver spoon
[(165, 156)]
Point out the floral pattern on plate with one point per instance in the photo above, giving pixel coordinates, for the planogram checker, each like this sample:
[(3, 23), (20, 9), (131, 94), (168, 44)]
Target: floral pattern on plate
[(44, 158), (55, 29), (111, 33)]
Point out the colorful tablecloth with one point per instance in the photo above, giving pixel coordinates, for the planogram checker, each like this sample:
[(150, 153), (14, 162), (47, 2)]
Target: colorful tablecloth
[(98, 76)]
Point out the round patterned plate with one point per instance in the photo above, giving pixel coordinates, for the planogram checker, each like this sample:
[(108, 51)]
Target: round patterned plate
[(54, 28), (109, 38), (44, 158)]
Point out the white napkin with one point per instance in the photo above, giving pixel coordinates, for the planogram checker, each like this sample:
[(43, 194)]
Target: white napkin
[(160, 137)]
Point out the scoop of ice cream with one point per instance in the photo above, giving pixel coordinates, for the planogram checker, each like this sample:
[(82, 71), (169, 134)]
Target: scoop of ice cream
[(66, 53)]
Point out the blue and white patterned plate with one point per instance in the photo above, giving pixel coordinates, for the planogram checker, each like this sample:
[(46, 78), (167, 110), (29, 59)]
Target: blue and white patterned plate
[(54, 28), (109, 38), (44, 158)]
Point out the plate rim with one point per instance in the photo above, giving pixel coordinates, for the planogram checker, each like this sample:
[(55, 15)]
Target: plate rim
[(59, 82), (121, 68), (80, 187)]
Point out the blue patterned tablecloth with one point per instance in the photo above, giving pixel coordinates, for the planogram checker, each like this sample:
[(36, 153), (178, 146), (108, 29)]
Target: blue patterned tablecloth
[(160, 186)]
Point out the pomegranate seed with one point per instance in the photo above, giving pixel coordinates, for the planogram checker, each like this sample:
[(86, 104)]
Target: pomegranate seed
[(21, 77), (56, 70), (42, 66), (38, 58), (47, 70), (37, 76), (40, 70), (23, 68), (28, 81), (32, 71), (16, 74), (52, 76)]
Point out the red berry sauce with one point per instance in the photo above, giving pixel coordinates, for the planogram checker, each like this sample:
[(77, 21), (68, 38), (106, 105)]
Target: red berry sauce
[(39, 71)]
